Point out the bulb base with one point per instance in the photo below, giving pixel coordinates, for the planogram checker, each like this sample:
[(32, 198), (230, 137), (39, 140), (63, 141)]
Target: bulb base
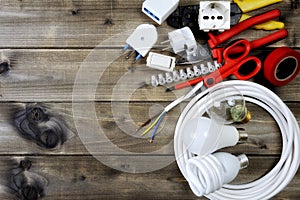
[(243, 137), (244, 161), (247, 117)]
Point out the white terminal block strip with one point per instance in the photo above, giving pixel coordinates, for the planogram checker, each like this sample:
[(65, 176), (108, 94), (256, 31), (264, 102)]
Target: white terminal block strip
[(161, 62), (214, 15), (159, 10)]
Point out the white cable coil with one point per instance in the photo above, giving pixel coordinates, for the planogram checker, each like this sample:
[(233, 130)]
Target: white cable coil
[(276, 179)]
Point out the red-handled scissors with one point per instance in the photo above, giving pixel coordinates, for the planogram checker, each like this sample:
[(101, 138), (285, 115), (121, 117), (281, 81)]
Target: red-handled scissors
[(242, 66)]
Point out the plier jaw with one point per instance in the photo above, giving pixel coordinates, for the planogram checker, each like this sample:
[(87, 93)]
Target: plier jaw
[(235, 14)]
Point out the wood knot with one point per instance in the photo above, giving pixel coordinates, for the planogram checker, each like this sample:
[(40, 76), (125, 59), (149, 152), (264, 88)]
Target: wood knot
[(29, 192), (108, 22), (4, 67), (74, 11), (38, 124), (25, 164)]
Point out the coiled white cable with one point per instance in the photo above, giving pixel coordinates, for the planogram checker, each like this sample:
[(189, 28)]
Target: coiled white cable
[(276, 179)]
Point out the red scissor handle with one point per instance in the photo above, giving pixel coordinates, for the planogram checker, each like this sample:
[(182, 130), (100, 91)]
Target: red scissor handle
[(240, 27), (242, 66), (271, 38)]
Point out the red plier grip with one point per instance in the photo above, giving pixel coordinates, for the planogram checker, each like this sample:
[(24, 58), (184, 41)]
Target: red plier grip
[(273, 37), (240, 27)]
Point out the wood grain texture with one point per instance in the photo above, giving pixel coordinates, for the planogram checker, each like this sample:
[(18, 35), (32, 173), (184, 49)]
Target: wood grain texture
[(50, 75), (66, 23), (120, 127), (83, 177), (61, 56)]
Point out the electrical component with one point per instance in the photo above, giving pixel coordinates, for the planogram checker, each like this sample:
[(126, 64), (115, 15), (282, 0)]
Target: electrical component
[(273, 181), (161, 79), (209, 173), (154, 81), (161, 62), (176, 77), (188, 73), (183, 42), (214, 15), (227, 107), (141, 40), (203, 136), (159, 10), (169, 78), (182, 74)]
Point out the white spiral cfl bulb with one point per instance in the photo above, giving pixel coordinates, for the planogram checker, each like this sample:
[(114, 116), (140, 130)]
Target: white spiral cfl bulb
[(209, 173)]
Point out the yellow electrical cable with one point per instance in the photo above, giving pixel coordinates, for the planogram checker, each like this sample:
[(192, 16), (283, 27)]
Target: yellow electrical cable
[(153, 124)]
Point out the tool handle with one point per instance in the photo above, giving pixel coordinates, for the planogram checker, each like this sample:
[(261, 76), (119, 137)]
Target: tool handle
[(268, 26), (258, 19), (217, 53), (278, 35), (249, 5)]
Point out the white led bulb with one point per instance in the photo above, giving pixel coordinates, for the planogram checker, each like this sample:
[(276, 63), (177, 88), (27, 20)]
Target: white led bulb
[(204, 136)]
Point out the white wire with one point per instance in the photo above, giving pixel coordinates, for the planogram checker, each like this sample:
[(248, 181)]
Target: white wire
[(276, 179), (184, 97)]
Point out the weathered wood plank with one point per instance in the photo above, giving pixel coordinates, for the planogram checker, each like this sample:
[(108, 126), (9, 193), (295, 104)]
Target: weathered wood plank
[(119, 126), (49, 75), (62, 24), (73, 177)]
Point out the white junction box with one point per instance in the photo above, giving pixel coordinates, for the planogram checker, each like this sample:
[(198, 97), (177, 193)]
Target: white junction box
[(214, 15), (161, 62), (159, 10)]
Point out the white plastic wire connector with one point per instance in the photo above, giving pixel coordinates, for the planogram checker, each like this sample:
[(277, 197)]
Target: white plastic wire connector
[(204, 69), (197, 71), (182, 74), (141, 40), (188, 73), (176, 76), (169, 78), (154, 81), (161, 79)]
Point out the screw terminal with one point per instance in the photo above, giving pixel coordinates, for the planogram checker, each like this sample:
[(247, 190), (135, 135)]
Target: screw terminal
[(184, 74), (161, 79)]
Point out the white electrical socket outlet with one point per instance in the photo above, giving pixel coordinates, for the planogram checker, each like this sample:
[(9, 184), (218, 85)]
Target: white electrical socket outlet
[(214, 15)]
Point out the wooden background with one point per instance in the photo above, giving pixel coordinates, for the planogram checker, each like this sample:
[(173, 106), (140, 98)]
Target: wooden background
[(47, 42)]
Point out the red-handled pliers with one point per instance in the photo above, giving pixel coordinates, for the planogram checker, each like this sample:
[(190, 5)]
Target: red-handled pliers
[(214, 41)]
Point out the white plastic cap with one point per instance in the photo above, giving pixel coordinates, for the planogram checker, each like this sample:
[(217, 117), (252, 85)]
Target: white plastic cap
[(143, 38)]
